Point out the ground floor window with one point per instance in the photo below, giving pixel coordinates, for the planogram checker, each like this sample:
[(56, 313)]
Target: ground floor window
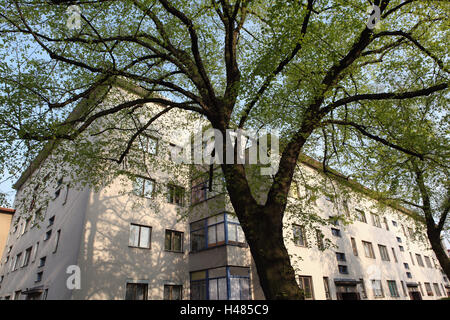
[(136, 291), (172, 292), (305, 283), (224, 283), (377, 288), (393, 288)]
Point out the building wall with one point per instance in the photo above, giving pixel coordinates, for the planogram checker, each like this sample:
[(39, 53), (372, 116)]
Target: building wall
[(95, 228), (68, 213), (107, 261), (319, 264)]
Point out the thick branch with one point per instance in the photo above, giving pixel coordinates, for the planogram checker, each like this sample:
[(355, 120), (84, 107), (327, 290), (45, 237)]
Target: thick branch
[(385, 96), (363, 130)]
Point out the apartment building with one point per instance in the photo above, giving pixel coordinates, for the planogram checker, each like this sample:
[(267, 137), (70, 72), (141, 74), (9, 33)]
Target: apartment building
[(168, 234)]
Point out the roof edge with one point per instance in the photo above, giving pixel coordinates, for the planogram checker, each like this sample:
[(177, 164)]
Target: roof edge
[(94, 97)]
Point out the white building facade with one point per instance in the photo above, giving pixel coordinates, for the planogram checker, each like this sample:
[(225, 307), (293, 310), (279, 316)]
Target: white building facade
[(162, 236)]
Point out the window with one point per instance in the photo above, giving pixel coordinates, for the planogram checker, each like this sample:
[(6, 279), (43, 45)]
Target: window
[(404, 289), (148, 144), (42, 262), (386, 223), (58, 235), (36, 248), (39, 276), (411, 232), (211, 232), (421, 289), (368, 250), (66, 194), (383, 253), (403, 229), (57, 193), (428, 288), (377, 288), (305, 283), (326, 285), (175, 195), (140, 236), (408, 275), (343, 269), (340, 256), (335, 232), (363, 288), (394, 223), (212, 284), (299, 235), (428, 262), (399, 240), (394, 255), (26, 224), (235, 232), (198, 285), (143, 187), (216, 230), (376, 220), (401, 248), (436, 289), (172, 292), (334, 220), (419, 260), (17, 295), (354, 248), (16, 261), (174, 241), (406, 266), (346, 209), (293, 191), (392, 285), (48, 234), (361, 216), (319, 237), (412, 260), (200, 190), (136, 291), (26, 257), (51, 221)]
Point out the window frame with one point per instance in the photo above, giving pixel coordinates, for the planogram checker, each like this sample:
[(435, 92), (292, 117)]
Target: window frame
[(171, 287), (394, 293), (172, 233), (367, 244), (173, 191), (135, 284), (301, 239), (301, 282), (143, 193), (140, 226), (384, 254)]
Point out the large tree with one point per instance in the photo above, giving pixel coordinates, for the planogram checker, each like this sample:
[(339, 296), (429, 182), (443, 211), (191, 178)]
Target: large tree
[(292, 65)]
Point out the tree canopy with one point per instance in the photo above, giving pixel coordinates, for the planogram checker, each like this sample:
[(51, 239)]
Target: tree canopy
[(314, 70)]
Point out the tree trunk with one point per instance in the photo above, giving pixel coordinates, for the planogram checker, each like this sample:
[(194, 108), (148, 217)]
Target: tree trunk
[(276, 274), (263, 229), (435, 239)]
